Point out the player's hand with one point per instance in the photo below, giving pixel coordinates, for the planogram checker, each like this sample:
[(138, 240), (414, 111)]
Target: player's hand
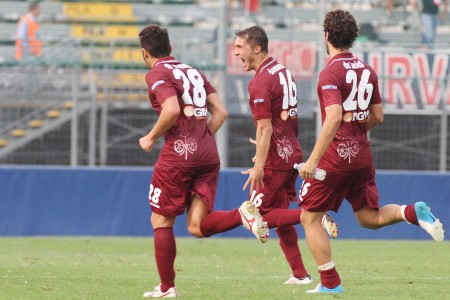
[(147, 143), (255, 179), (307, 170)]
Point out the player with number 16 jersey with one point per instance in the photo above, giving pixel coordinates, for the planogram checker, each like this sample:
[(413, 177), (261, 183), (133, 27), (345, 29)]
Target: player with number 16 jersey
[(273, 95)]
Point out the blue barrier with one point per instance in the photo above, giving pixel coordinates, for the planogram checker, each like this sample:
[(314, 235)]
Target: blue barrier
[(113, 201)]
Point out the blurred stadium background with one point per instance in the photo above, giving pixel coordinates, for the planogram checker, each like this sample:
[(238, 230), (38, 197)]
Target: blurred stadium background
[(89, 106), (70, 120), (77, 112)]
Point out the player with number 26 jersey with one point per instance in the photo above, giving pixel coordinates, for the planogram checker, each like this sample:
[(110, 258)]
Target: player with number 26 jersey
[(188, 142), (349, 82), (350, 106)]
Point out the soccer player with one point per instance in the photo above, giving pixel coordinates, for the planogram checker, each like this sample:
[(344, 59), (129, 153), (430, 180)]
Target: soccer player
[(273, 103), (186, 173), (350, 105)]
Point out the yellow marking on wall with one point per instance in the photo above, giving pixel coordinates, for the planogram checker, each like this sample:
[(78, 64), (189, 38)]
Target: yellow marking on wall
[(127, 55), (104, 31), (99, 11)]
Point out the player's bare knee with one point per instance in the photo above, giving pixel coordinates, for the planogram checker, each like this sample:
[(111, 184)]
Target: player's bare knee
[(194, 229), (308, 219)]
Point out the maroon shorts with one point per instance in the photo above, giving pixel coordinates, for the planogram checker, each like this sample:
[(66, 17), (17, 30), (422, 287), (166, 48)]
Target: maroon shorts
[(357, 186), (279, 189), (172, 188)]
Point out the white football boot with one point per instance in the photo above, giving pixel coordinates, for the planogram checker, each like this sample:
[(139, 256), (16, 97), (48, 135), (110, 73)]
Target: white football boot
[(252, 220), (157, 293), (294, 280), (428, 221), (330, 226)]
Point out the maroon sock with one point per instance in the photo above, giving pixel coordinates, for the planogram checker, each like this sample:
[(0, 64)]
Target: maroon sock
[(330, 278), (410, 214), (289, 244), (165, 252), (220, 221), (281, 217)]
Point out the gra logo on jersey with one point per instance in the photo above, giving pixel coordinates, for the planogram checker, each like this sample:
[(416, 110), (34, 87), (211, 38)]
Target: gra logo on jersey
[(258, 101), (200, 111), (329, 87), (293, 112), (353, 65), (156, 84), (360, 116)]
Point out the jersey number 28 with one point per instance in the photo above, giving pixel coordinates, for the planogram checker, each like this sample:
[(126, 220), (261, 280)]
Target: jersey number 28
[(193, 78)]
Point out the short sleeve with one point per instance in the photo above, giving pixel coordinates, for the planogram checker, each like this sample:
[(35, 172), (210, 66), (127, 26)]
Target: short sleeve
[(330, 88), (160, 85), (260, 100)]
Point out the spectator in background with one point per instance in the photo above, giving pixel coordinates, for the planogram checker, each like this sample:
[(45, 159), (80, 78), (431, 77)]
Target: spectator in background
[(430, 13), (27, 43)]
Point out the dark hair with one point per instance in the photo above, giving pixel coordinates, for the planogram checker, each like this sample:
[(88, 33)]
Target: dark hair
[(155, 40), (342, 29), (33, 5), (255, 36)]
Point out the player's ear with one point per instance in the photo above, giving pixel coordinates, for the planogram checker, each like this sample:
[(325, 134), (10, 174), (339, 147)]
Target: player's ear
[(256, 49), (145, 54)]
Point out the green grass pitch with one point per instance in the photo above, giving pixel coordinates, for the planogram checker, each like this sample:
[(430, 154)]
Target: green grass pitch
[(123, 268)]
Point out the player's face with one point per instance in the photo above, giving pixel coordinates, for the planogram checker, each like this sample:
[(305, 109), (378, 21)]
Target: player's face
[(244, 52)]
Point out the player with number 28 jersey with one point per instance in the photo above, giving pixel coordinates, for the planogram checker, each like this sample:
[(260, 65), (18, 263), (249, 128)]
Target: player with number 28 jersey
[(186, 173), (188, 142)]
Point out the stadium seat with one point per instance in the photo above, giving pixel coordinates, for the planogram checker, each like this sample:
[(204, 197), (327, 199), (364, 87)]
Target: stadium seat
[(18, 133), (35, 123), (53, 114)]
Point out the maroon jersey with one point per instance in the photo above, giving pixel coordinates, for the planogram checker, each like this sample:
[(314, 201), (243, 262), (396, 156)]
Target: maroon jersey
[(188, 142), (349, 82), (273, 95)]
